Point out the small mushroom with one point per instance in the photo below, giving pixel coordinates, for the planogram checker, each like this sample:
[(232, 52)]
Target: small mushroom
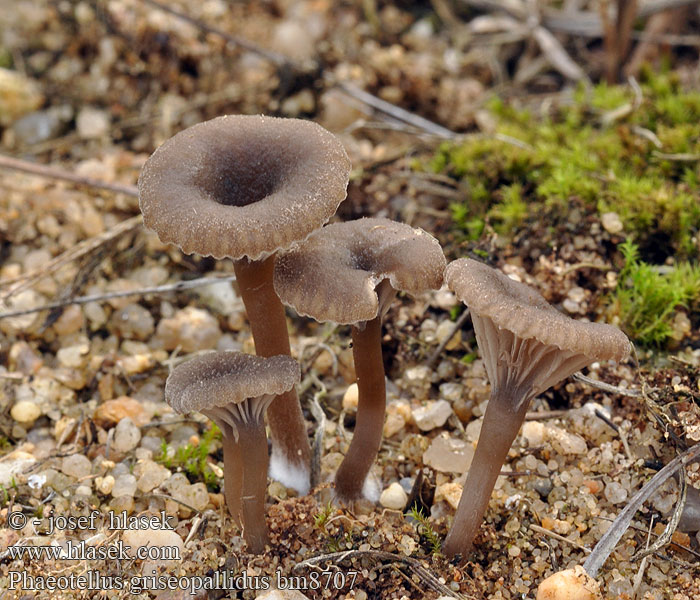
[(233, 390), (349, 273), (245, 187), (527, 346)]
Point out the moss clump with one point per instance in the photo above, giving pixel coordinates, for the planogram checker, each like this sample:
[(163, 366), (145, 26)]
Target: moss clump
[(647, 298), (580, 153), (192, 459)]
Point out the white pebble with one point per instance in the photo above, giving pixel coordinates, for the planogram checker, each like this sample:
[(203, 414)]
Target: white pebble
[(25, 411), (611, 222), (350, 398), (564, 442), (124, 485), (533, 432), (432, 415), (126, 436), (76, 465), (615, 493), (393, 497)]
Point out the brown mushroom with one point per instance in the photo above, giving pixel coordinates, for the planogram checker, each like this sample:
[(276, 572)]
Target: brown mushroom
[(233, 390), (349, 273), (527, 346), (245, 187)]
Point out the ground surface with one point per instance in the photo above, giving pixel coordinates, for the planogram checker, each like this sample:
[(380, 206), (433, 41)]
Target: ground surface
[(548, 184)]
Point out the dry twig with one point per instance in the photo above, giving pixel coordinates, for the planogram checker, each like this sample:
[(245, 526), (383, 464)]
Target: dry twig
[(160, 289), (415, 566)]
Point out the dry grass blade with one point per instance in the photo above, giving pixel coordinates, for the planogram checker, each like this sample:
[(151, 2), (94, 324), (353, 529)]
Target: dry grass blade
[(86, 246), (25, 166), (557, 56), (665, 537), (160, 289), (608, 542), (416, 567), (391, 110), (589, 23)]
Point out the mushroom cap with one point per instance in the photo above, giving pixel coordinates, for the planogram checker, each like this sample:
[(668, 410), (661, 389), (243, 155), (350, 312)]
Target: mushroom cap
[(333, 275), (219, 379), (518, 308), (243, 186)]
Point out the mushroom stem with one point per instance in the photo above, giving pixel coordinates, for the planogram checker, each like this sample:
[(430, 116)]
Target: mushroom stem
[(269, 327), (252, 437), (233, 473), (502, 420), (369, 426)]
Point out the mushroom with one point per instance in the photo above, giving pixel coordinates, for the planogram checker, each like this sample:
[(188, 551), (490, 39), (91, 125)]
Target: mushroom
[(233, 390), (245, 187), (349, 273), (527, 346)]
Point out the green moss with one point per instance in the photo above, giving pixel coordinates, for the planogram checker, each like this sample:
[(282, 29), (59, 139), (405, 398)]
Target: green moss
[(192, 459), (647, 298), (426, 530), (578, 153)]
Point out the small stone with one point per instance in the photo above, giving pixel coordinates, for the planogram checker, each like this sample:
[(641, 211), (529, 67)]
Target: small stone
[(20, 301), (611, 222), (571, 584), (13, 464), (111, 412), (19, 95), (220, 297), (350, 398), (432, 415), (73, 356), (451, 492), (615, 493), (92, 123), (533, 432), (124, 485), (133, 322), (543, 487), (396, 413), (564, 442), (121, 504), (394, 497), (70, 321), (38, 126), (106, 485), (126, 436), (285, 595), (197, 496), (407, 545), (191, 328), (77, 466), (292, 39), (449, 455), (150, 475), (169, 542), (452, 392), (24, 359), (443, 330), (25, 412)]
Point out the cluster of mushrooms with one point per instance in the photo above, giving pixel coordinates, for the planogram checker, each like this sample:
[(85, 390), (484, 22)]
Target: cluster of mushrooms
[(259, 190)]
